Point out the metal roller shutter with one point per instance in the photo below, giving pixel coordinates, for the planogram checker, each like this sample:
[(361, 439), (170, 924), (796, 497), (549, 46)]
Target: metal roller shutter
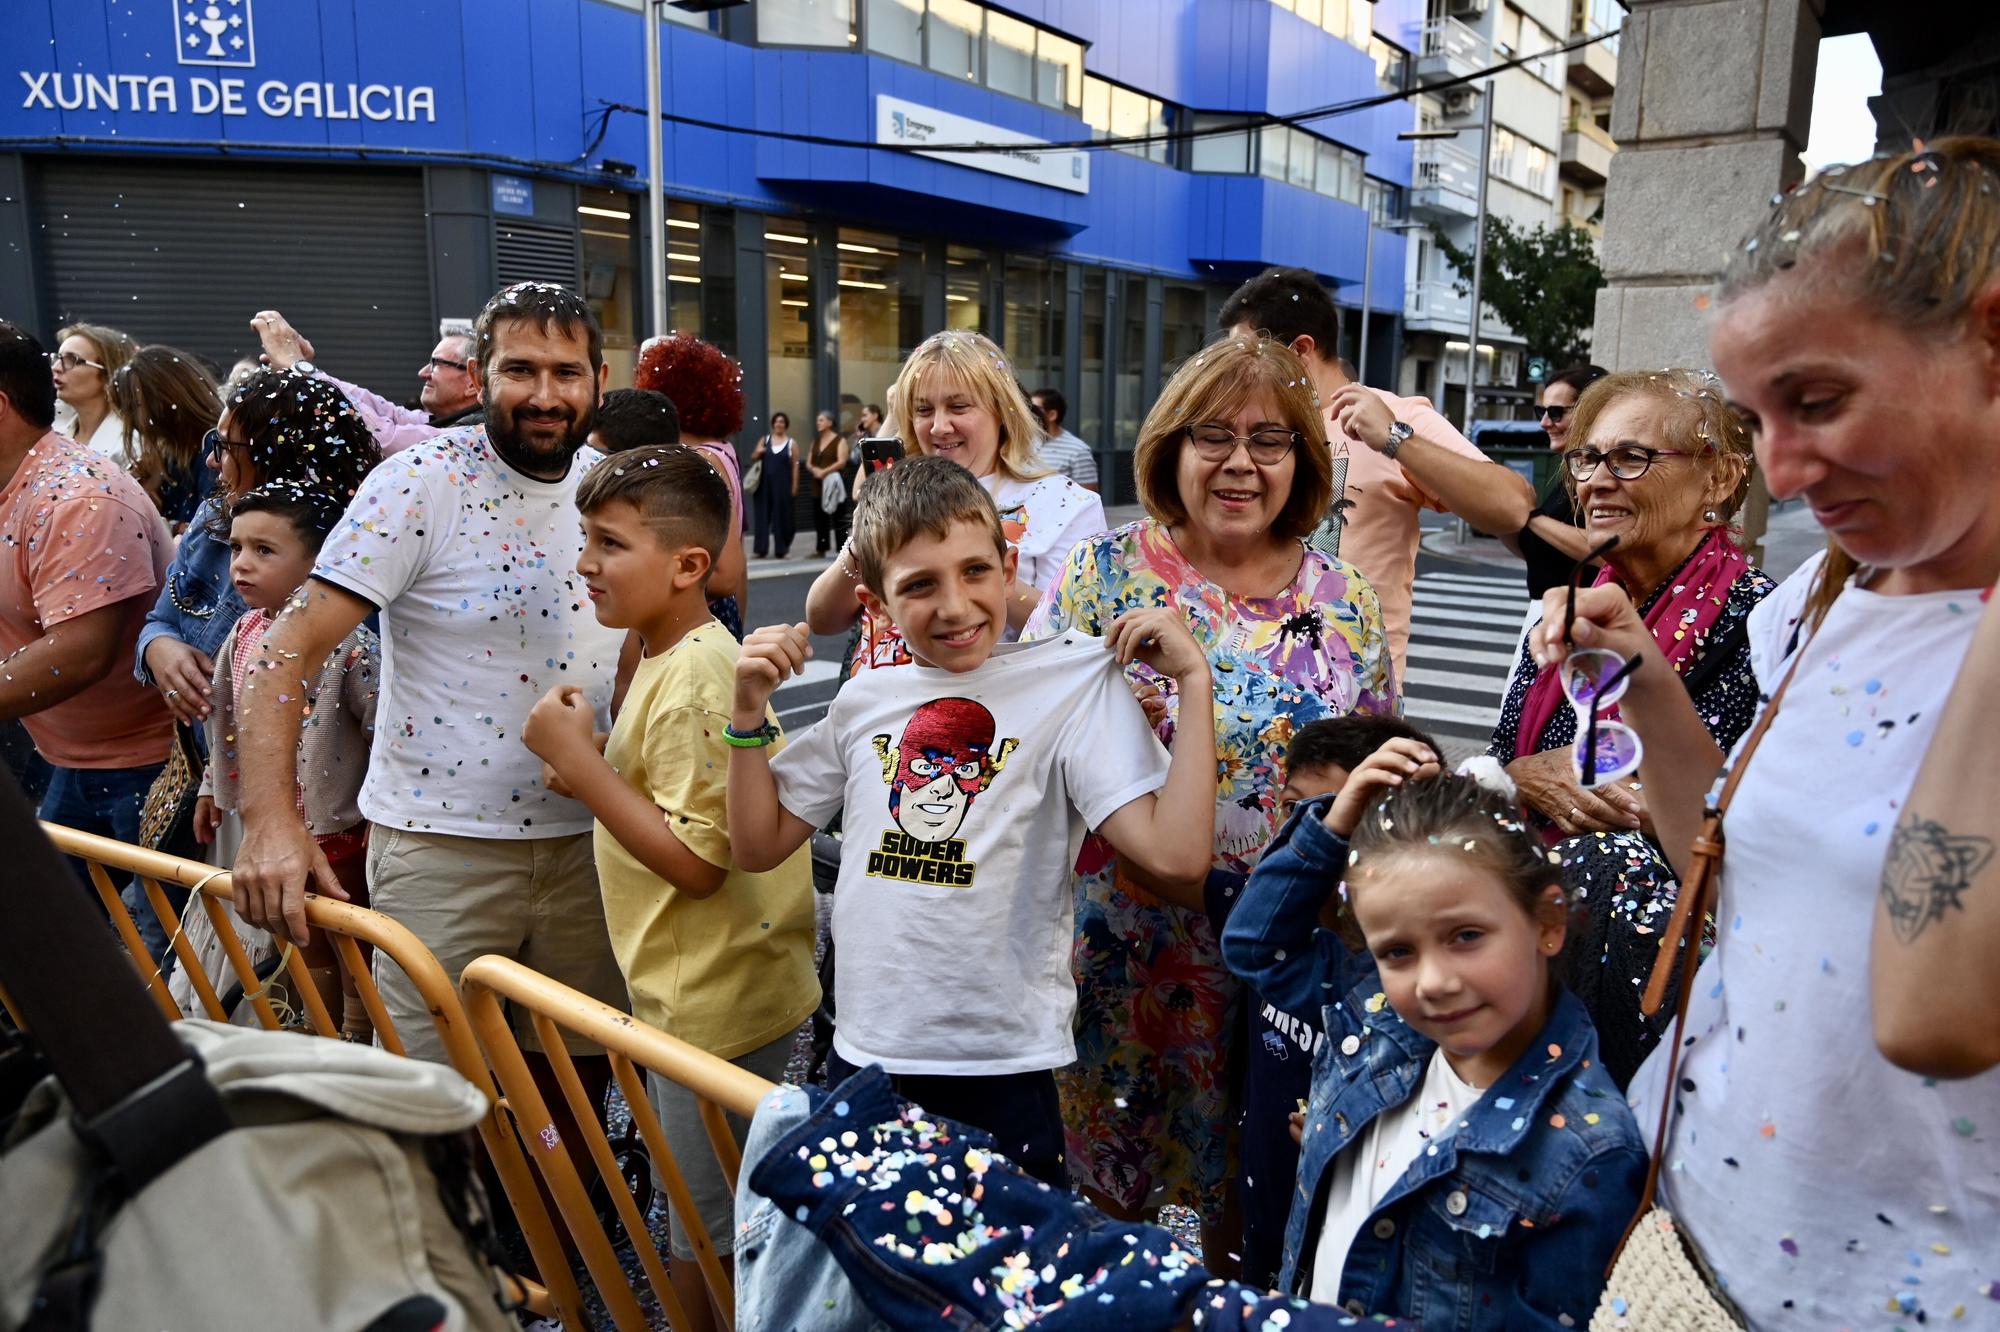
[(533, 252), (185, 252)]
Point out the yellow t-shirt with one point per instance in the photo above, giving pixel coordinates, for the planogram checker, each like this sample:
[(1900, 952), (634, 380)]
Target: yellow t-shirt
[(732, 971)]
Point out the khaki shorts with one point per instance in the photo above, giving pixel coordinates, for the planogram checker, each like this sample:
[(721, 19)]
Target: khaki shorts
[(533, 899)]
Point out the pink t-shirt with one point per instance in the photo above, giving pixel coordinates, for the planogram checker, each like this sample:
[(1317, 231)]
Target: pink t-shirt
[(1381, 534), (78, 534)]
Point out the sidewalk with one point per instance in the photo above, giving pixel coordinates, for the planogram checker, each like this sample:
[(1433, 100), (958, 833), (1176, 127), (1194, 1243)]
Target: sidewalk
[(1790, 539)]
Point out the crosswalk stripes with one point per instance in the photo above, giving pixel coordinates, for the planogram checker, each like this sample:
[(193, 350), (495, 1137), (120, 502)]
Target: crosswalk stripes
[(1464, 632)]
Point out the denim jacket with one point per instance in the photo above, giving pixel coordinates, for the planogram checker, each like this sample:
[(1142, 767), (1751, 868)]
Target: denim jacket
[(198, 605), (1509, 1220)]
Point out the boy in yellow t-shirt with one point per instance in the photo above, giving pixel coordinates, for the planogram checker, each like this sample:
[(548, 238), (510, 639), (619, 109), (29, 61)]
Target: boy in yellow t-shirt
[(713, 954)]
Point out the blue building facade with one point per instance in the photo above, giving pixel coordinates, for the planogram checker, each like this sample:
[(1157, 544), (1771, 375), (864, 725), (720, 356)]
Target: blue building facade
[(375, 168)]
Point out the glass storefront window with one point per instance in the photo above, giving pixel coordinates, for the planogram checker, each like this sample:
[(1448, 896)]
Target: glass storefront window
[(1089, 406), (1058, 71), (1034, 324), (1130, 382), (1183, 327), (954, 38), (805, 22), (611, 273), (1010, 56), (684, 267), (788, 338), (896, 28), (965, 272), (881, 312)]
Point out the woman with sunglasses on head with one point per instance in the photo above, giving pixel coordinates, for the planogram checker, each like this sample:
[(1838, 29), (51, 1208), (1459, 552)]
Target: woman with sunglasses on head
[(277, 425), (1659, 462), (83, 363), (1554, 540), (168, 401), (1858, 331)]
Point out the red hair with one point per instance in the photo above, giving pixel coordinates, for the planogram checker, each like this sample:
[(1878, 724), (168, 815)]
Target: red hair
[(705, 384)]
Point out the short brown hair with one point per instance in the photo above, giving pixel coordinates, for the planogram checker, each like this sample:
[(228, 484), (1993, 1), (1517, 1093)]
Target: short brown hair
[(918, 496), (1211, 386), (675, 489), (1695, 419)]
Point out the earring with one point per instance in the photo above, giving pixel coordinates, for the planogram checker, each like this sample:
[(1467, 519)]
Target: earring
[(1710, 515)]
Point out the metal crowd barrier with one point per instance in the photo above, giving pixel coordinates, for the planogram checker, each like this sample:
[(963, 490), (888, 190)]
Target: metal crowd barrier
[(349, 927), (718, 1085)]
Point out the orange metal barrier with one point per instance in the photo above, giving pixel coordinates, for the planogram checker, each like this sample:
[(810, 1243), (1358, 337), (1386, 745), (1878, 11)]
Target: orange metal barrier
[(349, 926), (718, 1086)]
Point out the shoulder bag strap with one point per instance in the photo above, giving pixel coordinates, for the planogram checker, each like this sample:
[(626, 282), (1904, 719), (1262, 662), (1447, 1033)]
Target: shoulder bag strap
[(1678, 951)]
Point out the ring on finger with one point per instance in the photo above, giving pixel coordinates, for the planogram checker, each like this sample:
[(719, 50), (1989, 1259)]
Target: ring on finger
[(173, 693), (1575, 814)]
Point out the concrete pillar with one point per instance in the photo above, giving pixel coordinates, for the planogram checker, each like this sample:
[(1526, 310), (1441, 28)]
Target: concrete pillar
[(1712, 108)]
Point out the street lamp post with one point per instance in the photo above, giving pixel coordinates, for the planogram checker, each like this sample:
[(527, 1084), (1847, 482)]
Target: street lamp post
[(1481, 165), (656, 203), (1368, 283)]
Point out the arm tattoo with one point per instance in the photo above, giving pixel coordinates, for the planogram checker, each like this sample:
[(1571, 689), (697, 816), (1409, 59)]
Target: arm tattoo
[(1927, 873)]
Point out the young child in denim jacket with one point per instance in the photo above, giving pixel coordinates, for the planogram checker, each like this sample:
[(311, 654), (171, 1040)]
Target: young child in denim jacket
[(1465, 1160)]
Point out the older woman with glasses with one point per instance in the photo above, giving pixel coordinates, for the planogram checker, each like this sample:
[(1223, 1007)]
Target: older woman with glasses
[(1659, 462), (1233, 469)]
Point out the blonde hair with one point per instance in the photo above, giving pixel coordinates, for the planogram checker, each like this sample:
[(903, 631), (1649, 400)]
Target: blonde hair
[(920, 495), (1213, 385), (115, 349), (1694, 419), (1914, 237), (978, 364)]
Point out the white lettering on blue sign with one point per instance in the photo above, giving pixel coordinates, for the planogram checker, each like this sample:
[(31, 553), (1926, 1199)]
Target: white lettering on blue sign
[(52, 90)]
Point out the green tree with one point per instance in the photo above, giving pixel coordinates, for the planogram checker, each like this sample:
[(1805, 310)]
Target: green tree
[(1543, 283)]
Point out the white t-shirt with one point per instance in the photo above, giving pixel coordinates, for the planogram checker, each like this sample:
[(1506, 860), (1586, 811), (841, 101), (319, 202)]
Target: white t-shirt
[(1828, 1187), (966, 797), (108, 439), (474, 568), (1363, 1175), (1043, 518)]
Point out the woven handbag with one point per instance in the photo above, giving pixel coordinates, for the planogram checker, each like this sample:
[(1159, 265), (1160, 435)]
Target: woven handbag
[(166, 820), (1658, 1281)]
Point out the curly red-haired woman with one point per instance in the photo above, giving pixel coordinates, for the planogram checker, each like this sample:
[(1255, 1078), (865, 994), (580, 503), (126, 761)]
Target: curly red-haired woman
[(707, 389)]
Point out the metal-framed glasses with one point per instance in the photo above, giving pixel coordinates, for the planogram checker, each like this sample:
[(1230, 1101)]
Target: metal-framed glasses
[(1593, 680), (71, 361), (1217, 443), (440, 363), (1628, 462)]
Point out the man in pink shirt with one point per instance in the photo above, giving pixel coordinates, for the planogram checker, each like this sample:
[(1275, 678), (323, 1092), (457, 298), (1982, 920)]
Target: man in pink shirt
[(82, 555), (450, 394), (1401, 455)]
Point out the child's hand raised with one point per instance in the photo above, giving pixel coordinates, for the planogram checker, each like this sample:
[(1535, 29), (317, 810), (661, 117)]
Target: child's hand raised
[(1160, 638), (1394, 763), (560, 722), (768, 656)]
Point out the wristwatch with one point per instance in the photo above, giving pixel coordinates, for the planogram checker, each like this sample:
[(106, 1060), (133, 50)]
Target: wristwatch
[(304, 366), (1398, 432)]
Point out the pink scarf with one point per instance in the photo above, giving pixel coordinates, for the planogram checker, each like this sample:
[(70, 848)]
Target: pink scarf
[(1680, 621)]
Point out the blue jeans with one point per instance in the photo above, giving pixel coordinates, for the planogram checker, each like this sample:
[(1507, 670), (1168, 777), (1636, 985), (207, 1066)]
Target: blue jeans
[(107, 801)]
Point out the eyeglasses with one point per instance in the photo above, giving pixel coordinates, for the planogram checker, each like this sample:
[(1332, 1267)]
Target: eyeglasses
[(1555, 414), (1217, 443), (214, 444), (1594, 680), (70, 361), (1628, 462), (440, 363)]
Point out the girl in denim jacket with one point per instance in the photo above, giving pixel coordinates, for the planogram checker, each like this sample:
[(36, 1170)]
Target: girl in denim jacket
[(1465, 1161)]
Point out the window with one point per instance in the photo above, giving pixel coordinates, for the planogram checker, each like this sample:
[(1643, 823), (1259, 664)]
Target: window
[(1392, 64), (1309, 10), (1010, 56), (1272, 144), (1034, 320), (805, 22), (1535, 40), (1299, 161), (1352, 21), (1219, 152), (965, 272), (1521, 163), (1058, 71), (1116, 112), (895, 28), (789, 298), (1383, 201), (953, 38), (879, 294)]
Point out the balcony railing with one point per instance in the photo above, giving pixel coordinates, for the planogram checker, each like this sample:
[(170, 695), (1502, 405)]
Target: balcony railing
[(1446, 43), (1444, 179), (1437, 301)]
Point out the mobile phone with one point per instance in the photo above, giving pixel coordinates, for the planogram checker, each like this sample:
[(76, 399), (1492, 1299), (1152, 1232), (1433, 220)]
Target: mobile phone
[(880, 452)]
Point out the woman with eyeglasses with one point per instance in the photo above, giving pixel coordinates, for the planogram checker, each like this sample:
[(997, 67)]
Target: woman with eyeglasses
[(168, 401), (1234, 471), (276, 425), (1554, 540), (1658, 461), (83, 363)]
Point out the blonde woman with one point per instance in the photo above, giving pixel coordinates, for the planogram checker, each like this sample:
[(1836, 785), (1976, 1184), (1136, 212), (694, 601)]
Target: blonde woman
[(84, 361), (956, 397)]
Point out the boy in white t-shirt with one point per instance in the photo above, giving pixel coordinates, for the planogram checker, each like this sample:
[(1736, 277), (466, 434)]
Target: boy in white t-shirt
[(967, 782)]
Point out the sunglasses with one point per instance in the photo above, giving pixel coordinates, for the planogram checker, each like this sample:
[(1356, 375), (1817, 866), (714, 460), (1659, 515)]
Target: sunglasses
[(1555, 414), (1595, 679)]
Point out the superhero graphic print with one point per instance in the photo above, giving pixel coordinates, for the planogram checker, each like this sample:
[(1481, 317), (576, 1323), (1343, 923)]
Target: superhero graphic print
[(945, 758)]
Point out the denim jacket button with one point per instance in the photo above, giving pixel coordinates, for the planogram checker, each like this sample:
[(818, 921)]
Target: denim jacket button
[(1351, 1045), (1455, 1202), (1355, 1307), (1384, 1228)]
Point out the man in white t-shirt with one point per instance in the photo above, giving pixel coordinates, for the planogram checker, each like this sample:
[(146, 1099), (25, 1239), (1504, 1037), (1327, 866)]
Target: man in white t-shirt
[(1400, 456), (467, 545), (966, 781), (1061, 449)]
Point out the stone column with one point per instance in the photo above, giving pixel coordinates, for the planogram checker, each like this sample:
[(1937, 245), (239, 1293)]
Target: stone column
[(1711, 111)]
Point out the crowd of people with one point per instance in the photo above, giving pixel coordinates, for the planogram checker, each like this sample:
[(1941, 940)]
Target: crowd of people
[(1141, 871)]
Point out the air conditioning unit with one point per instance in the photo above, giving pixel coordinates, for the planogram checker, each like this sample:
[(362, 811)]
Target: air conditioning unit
[(1464, 9), (1461, 101)]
